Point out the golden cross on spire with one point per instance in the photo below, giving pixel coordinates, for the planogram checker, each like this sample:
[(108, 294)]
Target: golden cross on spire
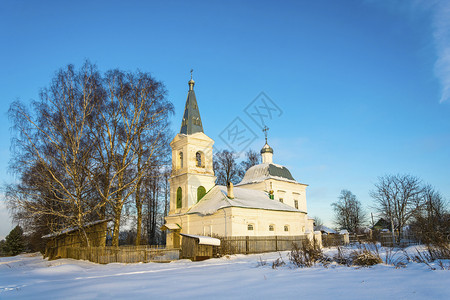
[(192, 70), (265, 129)]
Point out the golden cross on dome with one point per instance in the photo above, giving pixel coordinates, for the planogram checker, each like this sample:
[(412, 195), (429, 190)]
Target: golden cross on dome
[(265, 129)]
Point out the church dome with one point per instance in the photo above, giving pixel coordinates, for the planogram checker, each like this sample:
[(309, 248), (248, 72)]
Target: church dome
[(266, 149), (262, 172)]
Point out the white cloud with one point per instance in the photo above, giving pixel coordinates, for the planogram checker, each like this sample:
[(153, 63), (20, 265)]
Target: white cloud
[(439, 10), (441, 34)]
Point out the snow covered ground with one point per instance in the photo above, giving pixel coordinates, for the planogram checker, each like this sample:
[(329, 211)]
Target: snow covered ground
[(236, 277)]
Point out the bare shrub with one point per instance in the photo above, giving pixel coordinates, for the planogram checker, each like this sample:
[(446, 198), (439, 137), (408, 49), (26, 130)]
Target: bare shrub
[(278, 262), (433, 253), (342, 257), (392, 258), (365, 258), (366, 255), (305, 256), (261, 262)]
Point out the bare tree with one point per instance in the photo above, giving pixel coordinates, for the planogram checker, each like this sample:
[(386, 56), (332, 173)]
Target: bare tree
[(317, 222), (86, 147), (397, 198), (131, 131), (225, 167), (348, 212), (52, 151), (432, 221), (252, 158)]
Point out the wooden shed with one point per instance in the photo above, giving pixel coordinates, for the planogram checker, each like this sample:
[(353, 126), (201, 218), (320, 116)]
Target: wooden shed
[(74, 237), (197, 247)]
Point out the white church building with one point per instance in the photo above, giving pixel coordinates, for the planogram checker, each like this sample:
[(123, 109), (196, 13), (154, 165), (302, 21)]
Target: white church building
[(268, 201)]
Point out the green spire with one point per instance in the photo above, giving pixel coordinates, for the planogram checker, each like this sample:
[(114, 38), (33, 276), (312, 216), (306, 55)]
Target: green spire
[(191, 123)]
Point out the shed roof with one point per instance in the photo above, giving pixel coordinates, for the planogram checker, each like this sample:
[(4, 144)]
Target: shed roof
[(72, 229), (171, 226), (204, 240)]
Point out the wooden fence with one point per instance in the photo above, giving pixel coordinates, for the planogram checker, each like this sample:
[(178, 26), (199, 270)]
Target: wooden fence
[(332, 240), (123, 254), (385, 238), (257, 244), (404, 240)]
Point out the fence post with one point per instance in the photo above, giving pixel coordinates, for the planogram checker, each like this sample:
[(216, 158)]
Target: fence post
[(276, 243), (247, 238)]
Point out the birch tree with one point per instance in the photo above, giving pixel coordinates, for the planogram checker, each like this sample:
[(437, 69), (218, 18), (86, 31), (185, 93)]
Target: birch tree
[(52, 150)]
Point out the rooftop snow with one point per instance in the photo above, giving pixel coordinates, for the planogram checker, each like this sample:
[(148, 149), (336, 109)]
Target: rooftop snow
[(204, 240), (71, 229), (217, 198), (262, 172)]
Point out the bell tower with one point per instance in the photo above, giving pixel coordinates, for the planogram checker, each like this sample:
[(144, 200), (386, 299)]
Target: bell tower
[(192, 167)]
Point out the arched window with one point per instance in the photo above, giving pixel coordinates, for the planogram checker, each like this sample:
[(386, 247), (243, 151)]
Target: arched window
[(179, 197), (181, 159), (200, 159), (201, 191), (250, 227), (271, 227), (286, 227)]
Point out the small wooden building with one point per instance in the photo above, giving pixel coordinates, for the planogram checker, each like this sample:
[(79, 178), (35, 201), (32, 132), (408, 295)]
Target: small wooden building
[(197, 247), (74, 237)]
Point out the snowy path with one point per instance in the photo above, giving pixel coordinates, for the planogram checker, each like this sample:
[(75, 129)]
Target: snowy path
[(239, 277)]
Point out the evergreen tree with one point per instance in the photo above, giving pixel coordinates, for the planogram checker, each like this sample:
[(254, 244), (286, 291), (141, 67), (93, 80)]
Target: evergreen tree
[(14, 242)]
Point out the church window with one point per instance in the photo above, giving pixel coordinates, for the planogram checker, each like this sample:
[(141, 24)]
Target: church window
[(296, 204), (179, 197), (200, 159), (281, 200), (250, 227), (286, 227), (271, 227), (181, 159), (201, 191)]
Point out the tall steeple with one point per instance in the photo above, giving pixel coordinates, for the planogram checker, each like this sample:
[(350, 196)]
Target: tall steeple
[(191, 123)]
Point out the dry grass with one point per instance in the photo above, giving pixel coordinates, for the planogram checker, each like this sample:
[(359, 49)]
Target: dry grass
[(433, 253), (307, 255)]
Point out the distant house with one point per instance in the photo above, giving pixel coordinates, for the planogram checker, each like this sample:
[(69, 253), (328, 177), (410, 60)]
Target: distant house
[(58, 242), (325, 230), (381, 225)]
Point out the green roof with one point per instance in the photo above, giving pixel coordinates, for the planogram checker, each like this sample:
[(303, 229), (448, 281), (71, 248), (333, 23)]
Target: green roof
[(282, 172), (191, 123)]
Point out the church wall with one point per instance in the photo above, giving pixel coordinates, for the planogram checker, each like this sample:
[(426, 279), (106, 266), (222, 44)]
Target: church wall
[(188, 175), (261, 220), (234, 221)]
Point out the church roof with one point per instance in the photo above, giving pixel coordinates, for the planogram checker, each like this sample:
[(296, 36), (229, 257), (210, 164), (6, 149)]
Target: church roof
[(217, 199), (191, 123), (262, 172)]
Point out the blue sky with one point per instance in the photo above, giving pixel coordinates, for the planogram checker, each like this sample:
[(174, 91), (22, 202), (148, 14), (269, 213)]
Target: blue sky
[(363, 86)]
